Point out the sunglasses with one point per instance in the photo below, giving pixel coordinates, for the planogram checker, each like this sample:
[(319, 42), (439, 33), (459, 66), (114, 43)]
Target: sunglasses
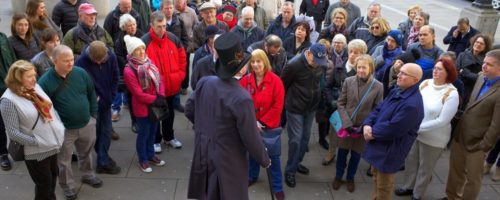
[(375, 27)]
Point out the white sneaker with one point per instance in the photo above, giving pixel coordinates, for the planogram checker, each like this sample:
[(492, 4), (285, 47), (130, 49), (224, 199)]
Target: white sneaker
[(157, 148), (175, 143)]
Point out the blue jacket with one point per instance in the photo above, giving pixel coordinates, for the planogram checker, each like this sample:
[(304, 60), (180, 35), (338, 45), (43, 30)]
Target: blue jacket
[(249, 36), (276, 28), (105, 77), (394, 123)]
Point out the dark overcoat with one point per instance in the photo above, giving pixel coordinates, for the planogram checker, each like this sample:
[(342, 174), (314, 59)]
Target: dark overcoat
[(225, 127)]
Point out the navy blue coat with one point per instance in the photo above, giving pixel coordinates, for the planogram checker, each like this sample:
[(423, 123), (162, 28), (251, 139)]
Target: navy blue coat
[(105, 77), (276, 28), (394, 123), (461, 42)]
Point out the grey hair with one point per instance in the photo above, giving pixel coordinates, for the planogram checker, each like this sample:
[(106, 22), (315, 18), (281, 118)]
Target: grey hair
[(166, 3), (494, 54), (59, 50), (288, 3), (375, 4), (247, 10), (272, 41), (358, 44), (125, 19), (157, 16)]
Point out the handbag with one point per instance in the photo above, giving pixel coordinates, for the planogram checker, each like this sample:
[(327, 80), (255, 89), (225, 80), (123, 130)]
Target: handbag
[(272, 141), (16, 149), (157, 113), (336, 121)]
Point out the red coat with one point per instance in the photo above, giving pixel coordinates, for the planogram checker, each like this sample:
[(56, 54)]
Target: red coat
[(169, 56), (268, 98), (230, 24)]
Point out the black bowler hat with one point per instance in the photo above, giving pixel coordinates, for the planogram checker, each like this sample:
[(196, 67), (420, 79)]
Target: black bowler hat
[(231, 55)]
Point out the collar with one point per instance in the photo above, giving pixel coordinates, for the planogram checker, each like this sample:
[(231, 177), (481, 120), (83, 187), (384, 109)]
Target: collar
[(492, 81), (406, 93)]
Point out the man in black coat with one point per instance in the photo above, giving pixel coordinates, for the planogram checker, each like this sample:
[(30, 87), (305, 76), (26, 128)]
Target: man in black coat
[(316, 9), (112, 21), (273, 47), (301, 79), (65, 14), (459, 36)]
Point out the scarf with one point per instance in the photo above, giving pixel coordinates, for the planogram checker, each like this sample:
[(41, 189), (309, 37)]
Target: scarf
[(146, 72), (389, 57), (413, 36), (42, 106)]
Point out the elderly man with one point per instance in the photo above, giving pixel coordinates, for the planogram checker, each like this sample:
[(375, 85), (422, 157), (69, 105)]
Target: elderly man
[(273, 46), (283, 26), (112, 21), (190, 19), (65, 14), (459, 36), (205, 57), (301, 79), (72, 92), (260, 13), (166, 51), (225, 126), (429, 51), (359, 27), (86, 31), (476, 133), (352, 9), (208, 12), (391, 129), (102, 65), (246, 29)]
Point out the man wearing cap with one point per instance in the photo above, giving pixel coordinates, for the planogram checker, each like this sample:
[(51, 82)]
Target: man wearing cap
[(86, 31), (165, 50), (301, 79), (224, 122), (391, 129), (208, 12), (112, 21), (205, 57), (102, 65), (247, 29), (273, 46), (283, 26)]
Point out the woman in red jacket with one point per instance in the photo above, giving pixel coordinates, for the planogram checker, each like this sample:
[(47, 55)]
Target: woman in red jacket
[(268, 94)]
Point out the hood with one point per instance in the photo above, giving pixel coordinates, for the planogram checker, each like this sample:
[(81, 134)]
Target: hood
[(240, 26)]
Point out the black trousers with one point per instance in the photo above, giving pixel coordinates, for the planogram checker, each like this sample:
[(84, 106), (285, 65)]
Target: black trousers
[(323, 129), (44, 174), (3, 138), (185, 82), (166, 130)]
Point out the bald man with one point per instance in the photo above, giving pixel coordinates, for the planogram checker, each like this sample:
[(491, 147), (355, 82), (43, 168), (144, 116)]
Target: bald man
[(391, 129)]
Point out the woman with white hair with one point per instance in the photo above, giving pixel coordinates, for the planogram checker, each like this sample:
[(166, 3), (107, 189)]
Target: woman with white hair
[(338, 52)]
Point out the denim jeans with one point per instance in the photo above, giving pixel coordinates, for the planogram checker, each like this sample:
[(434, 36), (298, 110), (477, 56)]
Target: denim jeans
[(342, 162), (118, 101), (299, 132), (177, 99), (493, 155), (275, 169), (103, 136), (145, 138)]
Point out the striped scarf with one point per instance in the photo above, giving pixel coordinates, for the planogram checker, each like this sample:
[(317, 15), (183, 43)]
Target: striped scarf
[(146, 72)]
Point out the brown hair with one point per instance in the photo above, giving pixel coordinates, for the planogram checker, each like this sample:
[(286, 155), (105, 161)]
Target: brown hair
[(17, 17), (327, 45), (97, 50), (487, 42), (413, 7), (14, 77), (341, 11), (449, 67), (306, 26), (384, 25), (31, 10), (47, 36), (368, 59)]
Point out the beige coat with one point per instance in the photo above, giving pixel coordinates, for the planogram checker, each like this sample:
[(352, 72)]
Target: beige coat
[(479, 127), (353, 90)]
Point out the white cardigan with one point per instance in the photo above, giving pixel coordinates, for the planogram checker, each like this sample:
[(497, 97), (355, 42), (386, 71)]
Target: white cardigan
[(435, 129)]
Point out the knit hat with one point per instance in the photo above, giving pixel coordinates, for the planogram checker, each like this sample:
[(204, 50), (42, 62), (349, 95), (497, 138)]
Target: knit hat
[(229, 8), (396, 35), (409, 56), (132, 43)]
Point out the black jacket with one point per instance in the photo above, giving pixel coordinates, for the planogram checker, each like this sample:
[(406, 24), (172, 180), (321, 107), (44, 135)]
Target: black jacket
[(204, 67), (334, 81), (302, 85), (112, 22), (277, 28), (22, 50), (317, 11), (461, 42), (65, 15), (121, 48), (178, 29), (277, 61), (290, 48)]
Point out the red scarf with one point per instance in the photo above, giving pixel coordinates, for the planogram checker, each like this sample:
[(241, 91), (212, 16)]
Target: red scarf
[(315, 2), (230, 24), (42, 106)]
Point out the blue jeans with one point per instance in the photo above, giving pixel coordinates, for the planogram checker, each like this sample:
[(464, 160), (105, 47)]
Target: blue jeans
[(342, 162), (299, 132), (117, 102), (103, 136), (177, 99), (146, 131), (493, 155), (275, 169)]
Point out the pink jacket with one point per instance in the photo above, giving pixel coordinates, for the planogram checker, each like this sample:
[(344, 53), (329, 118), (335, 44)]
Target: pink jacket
[(140, 98)]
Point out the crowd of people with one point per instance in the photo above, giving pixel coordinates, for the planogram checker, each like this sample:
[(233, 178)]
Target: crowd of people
[(388, 95)]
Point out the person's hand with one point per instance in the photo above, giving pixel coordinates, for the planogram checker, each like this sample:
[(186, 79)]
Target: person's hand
[(455, 33), (349, 129), (98, 98), (260, 127), (367, 133)]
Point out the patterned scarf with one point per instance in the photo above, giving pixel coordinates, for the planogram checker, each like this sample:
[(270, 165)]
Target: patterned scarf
[(413, 36), (146, 72), (42, 106)]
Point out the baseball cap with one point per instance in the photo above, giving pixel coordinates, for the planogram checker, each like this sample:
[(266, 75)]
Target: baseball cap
[(87, 8), (319, 52)]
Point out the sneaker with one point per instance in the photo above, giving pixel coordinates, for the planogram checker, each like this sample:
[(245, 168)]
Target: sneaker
[(184, 91), (175, 143), (157, 148), (109, 169), (115, 116), (157, 161), (114, 135), (93, 182), (145, 167), (280, 195), (496, 177), (487, 168), (70, 194), (5, 163)]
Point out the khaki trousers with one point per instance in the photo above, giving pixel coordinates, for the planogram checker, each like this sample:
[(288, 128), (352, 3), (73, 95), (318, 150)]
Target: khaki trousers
[(83, 139), (465, 174), (383, 185)]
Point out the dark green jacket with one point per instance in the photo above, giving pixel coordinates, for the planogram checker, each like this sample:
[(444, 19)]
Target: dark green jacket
[(77, 101), (7, 57)]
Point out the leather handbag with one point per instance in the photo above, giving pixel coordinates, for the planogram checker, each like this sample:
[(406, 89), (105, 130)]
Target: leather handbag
[(157, 113)]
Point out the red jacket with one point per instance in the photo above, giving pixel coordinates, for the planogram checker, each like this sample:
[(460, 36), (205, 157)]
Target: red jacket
[(230, 24), (169, 56), (268, 98), (140, 98)]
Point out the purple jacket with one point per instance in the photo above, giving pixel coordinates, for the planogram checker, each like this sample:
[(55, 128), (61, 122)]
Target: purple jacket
[(394, 123)]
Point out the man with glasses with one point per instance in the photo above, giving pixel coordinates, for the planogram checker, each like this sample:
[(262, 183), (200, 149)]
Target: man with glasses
[(102, 65), (391, 129)]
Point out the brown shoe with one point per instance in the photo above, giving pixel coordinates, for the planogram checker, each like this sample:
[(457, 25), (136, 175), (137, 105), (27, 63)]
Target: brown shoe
[(329, 158), (337, 182), (115, 117), (114, 135), (350, 186), (496, 176), (487, 168)]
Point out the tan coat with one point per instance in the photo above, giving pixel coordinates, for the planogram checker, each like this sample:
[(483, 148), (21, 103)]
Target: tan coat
[(479, 127), (353, 90)]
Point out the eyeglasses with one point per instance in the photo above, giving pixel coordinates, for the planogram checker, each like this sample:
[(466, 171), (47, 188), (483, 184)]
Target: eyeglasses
[(339, 18), (375, 27), (402, 73)]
